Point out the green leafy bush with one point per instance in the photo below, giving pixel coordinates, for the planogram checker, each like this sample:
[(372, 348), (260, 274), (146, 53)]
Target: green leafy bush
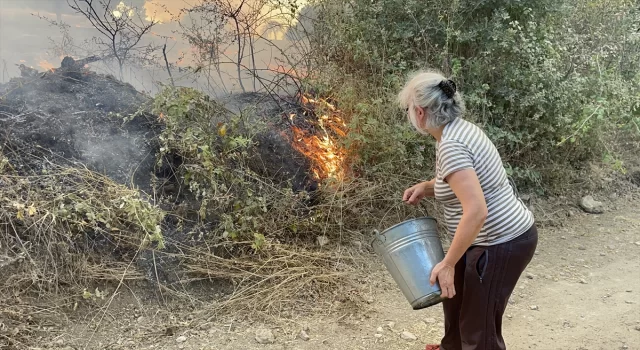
[(213, 147), (552, 82)]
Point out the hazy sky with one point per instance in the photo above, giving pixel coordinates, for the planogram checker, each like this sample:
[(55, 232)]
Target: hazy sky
[(27, 39)]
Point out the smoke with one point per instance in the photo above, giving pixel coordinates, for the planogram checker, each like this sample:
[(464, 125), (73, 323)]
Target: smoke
[(79, 116), (25, 36)]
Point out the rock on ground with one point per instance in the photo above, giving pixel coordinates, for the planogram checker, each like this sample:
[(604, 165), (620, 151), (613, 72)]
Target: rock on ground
[(304, 336), (591, 206), (181, 339), (408, 336), (265, 336)]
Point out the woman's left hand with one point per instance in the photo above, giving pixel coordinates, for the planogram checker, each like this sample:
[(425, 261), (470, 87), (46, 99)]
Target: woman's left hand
[(444, 274)]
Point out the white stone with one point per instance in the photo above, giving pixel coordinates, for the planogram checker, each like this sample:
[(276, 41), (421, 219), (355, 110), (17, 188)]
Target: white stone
[(322, 241), (265, 336), (408, 336), (304, 336), (181, 339)]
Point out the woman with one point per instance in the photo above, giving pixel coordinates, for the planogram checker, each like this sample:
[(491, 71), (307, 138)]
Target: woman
[(494, 234)]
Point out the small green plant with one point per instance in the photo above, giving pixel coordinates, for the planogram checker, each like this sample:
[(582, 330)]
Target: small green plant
[(97, 294), (214, 147), (615, 163)]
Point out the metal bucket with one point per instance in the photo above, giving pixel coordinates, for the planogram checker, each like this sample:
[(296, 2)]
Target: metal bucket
[(410, 250)]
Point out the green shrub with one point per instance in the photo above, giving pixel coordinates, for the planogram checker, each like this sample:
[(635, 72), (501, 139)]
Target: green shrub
[(550, 81), (213, 147)]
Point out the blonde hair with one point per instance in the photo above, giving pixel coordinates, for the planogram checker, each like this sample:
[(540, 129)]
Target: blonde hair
[(423, 90)]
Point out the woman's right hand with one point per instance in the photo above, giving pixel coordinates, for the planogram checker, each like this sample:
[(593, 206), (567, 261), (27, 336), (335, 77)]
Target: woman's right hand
[(416, 193)]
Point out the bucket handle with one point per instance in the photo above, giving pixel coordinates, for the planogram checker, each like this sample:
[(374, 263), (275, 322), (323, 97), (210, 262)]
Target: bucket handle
[(377, 237)]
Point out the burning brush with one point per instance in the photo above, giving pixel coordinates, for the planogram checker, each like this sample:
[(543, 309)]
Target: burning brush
[(316, 134)]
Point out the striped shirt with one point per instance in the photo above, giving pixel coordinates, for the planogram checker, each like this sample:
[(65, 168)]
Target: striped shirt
[(465, 146)]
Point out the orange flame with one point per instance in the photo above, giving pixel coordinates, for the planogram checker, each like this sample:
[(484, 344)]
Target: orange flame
[(322, 145), (44, 64)]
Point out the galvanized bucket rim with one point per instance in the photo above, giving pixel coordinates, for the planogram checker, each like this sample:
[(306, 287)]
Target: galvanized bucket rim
[(381, 235), (406, 222)]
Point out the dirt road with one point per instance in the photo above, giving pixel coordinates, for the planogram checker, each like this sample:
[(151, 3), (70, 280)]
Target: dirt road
[(582, 291)]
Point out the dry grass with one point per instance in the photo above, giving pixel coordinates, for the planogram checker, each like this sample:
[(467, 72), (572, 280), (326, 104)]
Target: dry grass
[(67, 230), (62, 229)]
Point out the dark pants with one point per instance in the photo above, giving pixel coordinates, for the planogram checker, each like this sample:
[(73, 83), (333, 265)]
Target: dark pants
[(484, 280)]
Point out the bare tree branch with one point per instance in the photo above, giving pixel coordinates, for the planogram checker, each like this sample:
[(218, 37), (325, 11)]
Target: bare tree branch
[(121, 31), (166, 61)]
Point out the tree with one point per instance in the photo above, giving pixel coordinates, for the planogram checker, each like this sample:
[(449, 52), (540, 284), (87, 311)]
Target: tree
[(206, 33), (219, 25), (121, 28)]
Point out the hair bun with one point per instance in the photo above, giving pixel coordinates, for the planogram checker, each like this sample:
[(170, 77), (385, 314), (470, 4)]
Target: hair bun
[(448, 87)]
